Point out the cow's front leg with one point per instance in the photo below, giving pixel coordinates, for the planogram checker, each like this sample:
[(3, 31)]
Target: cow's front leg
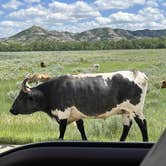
[(53, 116), (62, 128), (80, 126), (63, 117)]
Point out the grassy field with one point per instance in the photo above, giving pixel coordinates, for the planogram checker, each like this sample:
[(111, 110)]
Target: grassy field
[(39, 127)]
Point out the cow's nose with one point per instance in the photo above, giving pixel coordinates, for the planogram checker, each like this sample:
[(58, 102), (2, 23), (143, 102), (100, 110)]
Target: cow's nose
[(13, 111)]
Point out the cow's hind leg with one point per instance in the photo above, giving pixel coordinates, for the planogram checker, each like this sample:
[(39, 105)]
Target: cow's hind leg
[(127, 122), (80, 126), (62, 128), (142, 124)]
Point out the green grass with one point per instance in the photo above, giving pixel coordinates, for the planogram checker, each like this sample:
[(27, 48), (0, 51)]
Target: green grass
[(39, 127)]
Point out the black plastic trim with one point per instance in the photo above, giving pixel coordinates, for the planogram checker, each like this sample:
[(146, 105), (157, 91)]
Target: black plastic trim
[(72, 152)]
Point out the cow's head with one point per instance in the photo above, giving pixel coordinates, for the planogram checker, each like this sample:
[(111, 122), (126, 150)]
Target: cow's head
[(163, 84), (29, 100)]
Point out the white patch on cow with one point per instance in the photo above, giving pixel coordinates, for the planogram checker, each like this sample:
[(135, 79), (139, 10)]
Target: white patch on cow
[(86, 75), (140, 105), (106, 76), (64, 114), (71, 114), (126, 74), (126, 119), (123, 108), (127, 109), (75, 114), (142, 81)]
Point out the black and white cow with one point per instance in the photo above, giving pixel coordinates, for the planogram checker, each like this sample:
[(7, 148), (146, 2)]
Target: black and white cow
[(71, 98)]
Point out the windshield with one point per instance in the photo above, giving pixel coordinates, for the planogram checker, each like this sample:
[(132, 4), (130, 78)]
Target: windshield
[(83, 61)]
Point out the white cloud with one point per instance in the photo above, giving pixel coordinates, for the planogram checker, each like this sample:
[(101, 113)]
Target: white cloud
[(40, 13), (164, 3), (8, 28), (82, 9), (32, 1), (7, 23), (31, 12), (57, 12), (116, 4), (152, 3), (148, 17), (60, 17), (103, 20), (151, 14), (122, 17), (60, 7), (78, 9), (13, 4), (1, 12), (163, 24)]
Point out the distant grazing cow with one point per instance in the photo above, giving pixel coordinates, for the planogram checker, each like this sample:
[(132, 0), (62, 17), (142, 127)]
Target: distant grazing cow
[(71, 98), (38, 78), (163, 84), (42, 64), (96, 66)]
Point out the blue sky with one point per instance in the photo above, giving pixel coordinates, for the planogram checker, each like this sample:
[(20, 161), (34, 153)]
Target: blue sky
[(81, 15)]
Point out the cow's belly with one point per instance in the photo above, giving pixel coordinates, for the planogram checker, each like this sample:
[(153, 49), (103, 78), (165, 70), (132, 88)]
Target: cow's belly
[(73, 114), (122, 108)]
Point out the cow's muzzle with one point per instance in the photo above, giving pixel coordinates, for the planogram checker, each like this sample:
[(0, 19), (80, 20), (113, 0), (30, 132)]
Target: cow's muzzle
[(13, 111)]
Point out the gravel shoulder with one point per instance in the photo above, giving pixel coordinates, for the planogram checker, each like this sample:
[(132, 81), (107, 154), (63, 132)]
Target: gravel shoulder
[(6, 147)]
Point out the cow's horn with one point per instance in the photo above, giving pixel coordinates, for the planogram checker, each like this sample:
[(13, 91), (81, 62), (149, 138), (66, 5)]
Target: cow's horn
[(25, 86)]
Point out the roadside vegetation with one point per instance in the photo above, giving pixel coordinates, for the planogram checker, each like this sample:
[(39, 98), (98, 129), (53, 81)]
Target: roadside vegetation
[(39, 127)]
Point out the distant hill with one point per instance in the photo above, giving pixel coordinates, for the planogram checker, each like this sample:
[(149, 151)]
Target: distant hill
[(149, 33), (98, 34), (36, 33)]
